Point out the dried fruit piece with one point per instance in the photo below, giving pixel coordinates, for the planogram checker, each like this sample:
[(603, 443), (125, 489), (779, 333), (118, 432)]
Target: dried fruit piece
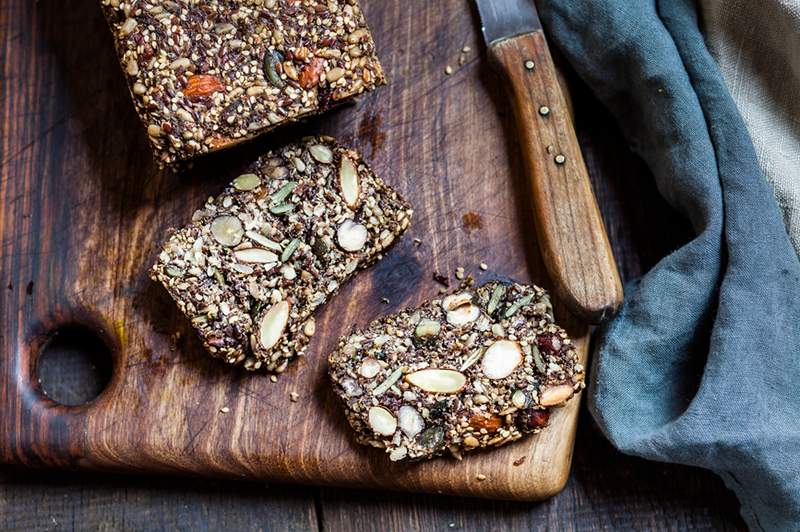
[(382, 421), (351, 235), (272, 324), (309, 75), (255, 256), (530, 419), (410, 421), (348, 181), (227, 230), (501, 359), (438, 380), (555, 395), (202, 86), (550, 342), (246, 182)]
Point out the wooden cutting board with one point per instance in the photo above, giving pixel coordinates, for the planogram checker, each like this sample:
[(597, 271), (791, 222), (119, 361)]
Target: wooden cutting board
[(83, 211)]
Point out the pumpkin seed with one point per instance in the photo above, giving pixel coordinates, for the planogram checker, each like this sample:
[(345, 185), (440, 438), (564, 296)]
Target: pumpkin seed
[(172, 271), (282, 193), (219, 277), (290, 249), (271, 61), (246, 182), (433, 437), (283, 208), (227, 230), (497, 295), (518, 304), (388, 383)]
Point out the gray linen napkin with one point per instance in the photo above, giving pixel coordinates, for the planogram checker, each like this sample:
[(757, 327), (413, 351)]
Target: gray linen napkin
[(701, 364)]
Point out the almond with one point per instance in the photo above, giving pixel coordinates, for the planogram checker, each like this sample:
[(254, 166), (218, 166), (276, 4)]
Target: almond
[(271, 326), (489, 422), (501, 359), (369, 368), (555, 395), (460, 309), (351, 235), (348, 181), (382, 421), (463, 314), (201, 86), (410, 421), (255, 256), (438, 380)]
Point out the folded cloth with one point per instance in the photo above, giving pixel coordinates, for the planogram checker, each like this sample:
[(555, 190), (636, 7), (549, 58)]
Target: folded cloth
[(757, 48), (701, 364)]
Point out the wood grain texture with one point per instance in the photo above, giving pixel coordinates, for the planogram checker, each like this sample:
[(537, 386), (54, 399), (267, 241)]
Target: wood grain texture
[(570, 230), (84, 211), (606, 490)]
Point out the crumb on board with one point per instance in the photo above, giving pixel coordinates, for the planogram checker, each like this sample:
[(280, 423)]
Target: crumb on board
[(519, 461), (484, 266), (294, 396), (459, 273), (224, 409), (481, 477)]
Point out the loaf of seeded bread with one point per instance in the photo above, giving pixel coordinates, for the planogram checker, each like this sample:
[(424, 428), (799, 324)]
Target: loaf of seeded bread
[(206, 75)]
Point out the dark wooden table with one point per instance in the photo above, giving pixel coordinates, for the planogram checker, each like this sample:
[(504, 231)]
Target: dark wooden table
[(606, 489)]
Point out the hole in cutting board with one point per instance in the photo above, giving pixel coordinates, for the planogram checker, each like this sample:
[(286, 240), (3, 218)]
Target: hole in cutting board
[(74, 366)]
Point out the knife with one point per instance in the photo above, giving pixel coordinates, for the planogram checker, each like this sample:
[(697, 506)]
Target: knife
[(569, 228)]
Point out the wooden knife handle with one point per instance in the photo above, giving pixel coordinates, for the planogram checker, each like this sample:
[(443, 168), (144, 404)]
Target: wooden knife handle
[(569, 227)]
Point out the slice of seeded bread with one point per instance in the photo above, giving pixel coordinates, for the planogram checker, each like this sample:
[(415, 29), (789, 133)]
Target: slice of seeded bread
[(477, 368), (257, 260)]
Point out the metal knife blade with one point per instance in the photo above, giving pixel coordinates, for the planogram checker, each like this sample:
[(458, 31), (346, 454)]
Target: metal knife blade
[(501, 19)]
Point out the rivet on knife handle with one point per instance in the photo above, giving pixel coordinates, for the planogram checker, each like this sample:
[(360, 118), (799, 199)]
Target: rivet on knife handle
[(570, 230)]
